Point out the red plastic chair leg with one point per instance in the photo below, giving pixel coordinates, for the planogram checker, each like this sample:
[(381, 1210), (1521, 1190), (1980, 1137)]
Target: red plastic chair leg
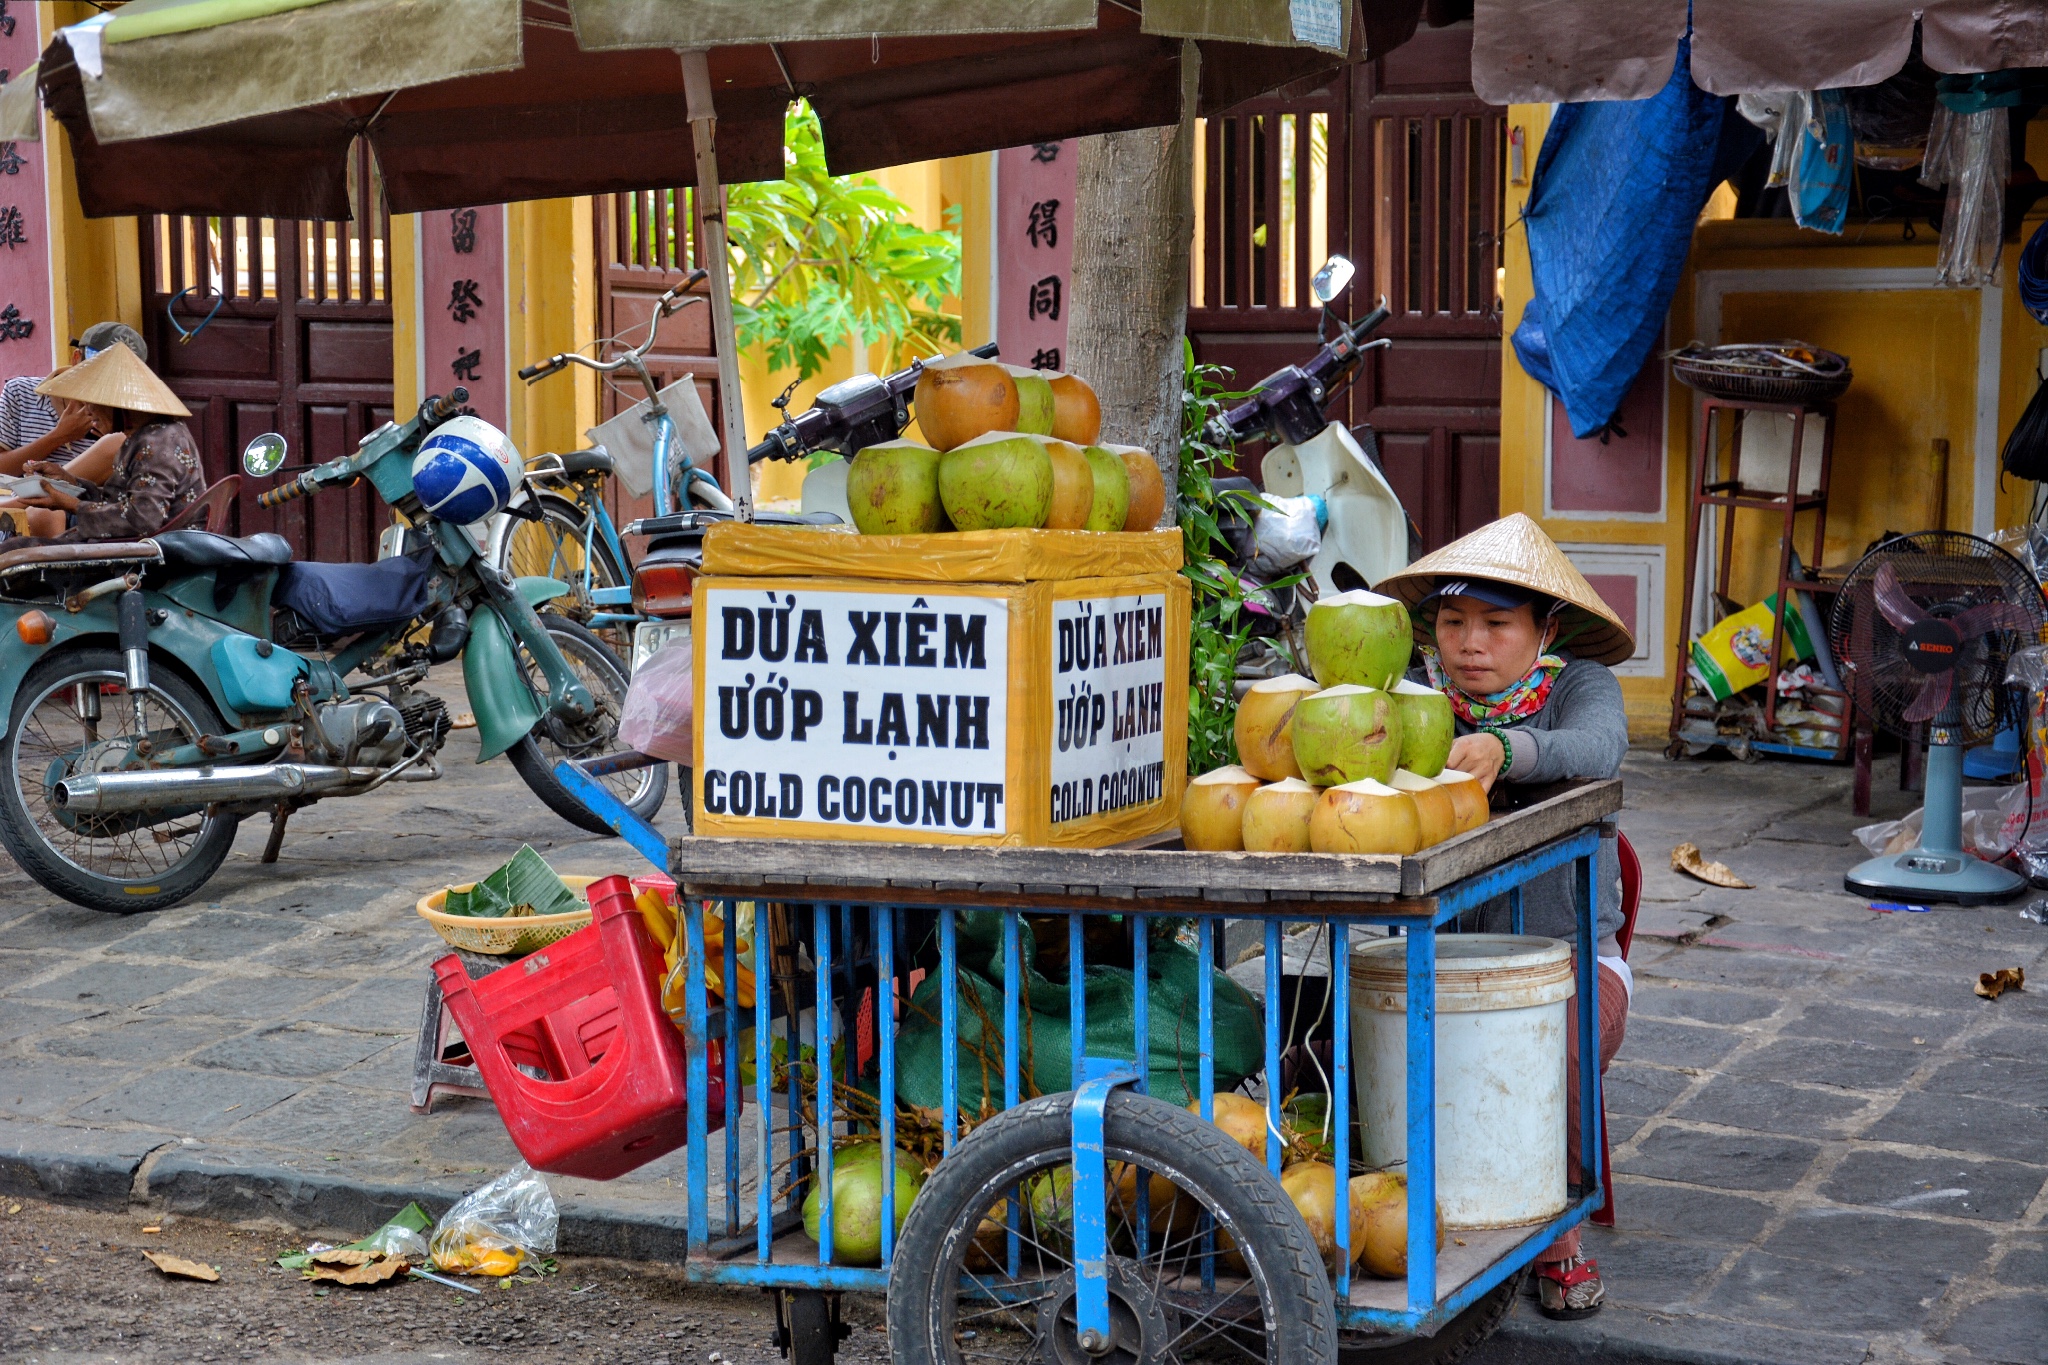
[(1604, 1215)]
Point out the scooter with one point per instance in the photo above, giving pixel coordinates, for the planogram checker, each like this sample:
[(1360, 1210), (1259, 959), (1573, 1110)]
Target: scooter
[(158, 691)]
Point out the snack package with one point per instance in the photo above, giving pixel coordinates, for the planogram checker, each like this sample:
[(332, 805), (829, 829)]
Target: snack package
[(1737, 653), (494, 1229)]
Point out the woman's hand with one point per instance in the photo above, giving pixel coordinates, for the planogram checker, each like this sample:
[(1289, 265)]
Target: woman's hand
[(75, 420), (1479, 754)]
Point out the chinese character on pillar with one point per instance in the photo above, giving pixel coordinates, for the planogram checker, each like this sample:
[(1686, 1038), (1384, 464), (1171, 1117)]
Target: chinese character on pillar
[(465, 336), (1035, 252), (26, 343)]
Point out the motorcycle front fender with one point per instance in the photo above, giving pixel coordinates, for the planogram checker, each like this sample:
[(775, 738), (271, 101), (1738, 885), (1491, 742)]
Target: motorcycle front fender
[(504, 705)]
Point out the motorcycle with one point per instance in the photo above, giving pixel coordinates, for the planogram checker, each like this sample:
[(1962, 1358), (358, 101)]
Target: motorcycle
[(159, 691)]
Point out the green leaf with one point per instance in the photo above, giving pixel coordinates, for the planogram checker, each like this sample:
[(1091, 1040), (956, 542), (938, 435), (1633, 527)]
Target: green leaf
[(526, 880)]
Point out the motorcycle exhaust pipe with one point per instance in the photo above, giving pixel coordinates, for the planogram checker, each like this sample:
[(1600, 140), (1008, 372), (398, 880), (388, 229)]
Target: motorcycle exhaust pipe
[(109, 793)]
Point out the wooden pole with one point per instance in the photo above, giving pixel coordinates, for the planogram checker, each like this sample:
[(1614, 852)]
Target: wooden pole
[(704, 130)]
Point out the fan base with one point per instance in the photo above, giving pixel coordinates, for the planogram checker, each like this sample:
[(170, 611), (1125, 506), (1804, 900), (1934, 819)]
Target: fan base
[(1924, 875)]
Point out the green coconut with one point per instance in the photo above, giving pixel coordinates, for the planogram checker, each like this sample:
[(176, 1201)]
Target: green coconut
[(857, 1201), (1035, 405), (1427, 727), (892, 489), (1001, 479), (1358, 637), (1347, 733), (1112, 490)]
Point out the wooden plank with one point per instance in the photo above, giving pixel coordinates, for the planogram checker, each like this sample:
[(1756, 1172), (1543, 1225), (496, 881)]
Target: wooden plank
[(1508, 836)]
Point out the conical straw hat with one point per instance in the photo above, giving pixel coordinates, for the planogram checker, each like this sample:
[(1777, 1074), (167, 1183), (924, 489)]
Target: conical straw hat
[(1515, 550), (115, 378)]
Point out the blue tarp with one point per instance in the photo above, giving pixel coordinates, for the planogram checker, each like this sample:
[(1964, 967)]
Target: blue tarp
[(1618, 187)]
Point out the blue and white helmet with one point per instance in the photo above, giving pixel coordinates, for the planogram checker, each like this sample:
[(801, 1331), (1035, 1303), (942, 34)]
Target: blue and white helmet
[(466, 470)]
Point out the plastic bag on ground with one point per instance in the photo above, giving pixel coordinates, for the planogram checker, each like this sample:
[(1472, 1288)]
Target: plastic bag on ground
[(659, 705), (494, 1229)]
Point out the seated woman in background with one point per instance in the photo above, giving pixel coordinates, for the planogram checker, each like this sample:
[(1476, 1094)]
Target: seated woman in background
[(34, 427), (132, 482)]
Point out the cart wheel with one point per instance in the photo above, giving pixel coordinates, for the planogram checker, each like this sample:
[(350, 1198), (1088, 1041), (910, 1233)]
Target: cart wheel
[(952, 1296), (1454, 1341), (813, 1336)]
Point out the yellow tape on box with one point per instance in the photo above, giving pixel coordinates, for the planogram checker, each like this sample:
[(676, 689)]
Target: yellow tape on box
[(1015, 556), (863, 707)]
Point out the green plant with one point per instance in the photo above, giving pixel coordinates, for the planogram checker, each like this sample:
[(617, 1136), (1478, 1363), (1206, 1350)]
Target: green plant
[(820, 260), (1218, 630)]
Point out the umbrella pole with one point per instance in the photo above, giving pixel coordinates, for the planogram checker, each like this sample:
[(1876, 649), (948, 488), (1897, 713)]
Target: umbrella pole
[(703, 128)]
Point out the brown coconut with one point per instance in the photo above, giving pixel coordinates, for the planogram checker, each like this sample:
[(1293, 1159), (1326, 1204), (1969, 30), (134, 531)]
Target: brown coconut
[(1276, 817), (1076, 412), (1265, 726), (1437, 811), (1242, 1119), (960, 397), (1468, 798), (1212, 810), (1073, 487), (1365, 817), (1148, 487)]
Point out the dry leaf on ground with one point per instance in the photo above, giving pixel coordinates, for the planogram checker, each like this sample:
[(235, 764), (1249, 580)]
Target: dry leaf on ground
[(1687, 858), (1991, 985), (359, 1268), (178, 1265)]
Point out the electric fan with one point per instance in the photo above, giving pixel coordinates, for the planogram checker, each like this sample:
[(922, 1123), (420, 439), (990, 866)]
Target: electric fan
[(1924, 626)]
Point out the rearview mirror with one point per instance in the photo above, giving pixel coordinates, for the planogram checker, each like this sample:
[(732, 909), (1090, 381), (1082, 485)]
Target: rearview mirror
[(1333, 279), (263, 455)]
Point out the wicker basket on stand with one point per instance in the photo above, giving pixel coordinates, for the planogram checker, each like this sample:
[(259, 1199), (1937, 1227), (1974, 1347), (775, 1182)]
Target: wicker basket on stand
[(1791, 373)]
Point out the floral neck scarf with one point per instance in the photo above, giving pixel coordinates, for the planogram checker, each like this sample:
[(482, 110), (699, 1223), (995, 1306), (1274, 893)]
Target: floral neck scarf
[(1496, 710)]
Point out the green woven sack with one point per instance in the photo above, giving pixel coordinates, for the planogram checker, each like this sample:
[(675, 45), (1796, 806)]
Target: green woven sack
[(1173, 1048)]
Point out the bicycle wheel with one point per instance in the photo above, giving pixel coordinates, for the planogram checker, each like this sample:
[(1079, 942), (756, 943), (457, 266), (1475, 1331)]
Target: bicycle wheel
[(641, 790), (554, 547), (953, 1296)]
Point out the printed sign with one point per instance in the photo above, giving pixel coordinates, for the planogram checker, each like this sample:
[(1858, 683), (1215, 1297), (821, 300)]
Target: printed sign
[(1109, 694), (856, 708)]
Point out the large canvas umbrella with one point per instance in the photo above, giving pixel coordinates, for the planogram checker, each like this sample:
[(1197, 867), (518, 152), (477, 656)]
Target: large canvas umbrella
[(250, 107)]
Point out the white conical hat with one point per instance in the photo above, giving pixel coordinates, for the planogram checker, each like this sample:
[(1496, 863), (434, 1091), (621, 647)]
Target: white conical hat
[(115, 378), (1515, 550)]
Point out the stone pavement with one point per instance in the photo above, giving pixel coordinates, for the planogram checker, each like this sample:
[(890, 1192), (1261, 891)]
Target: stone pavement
[(1828, 1149)]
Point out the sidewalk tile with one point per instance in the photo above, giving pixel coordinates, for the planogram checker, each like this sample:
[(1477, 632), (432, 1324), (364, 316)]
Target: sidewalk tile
[(1878, 1028), (1731, 967), (1769, 1107), (1656, 1040), (1828, 1062), (1873, 1240), (1702, 1006), (1826, 1297), (211, 936), (31, 1087), (1641, 1090), (379, 1006), (188, 1101), (2025, 1263), (1658, 1272), (327, 1119), (112, 983), (2017, 1080), (286, 1051), (1988, 1127), (1720, 1160), (2010, 1328), (134, 1040), (21, 1019), (247, 997), (1706, 1214), (1998, 1190)]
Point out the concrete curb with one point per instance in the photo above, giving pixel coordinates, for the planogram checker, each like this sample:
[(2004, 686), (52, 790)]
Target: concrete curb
[(1625, 1336)]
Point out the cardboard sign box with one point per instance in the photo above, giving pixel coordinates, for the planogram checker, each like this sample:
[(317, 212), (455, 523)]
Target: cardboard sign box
[(1000, 687)]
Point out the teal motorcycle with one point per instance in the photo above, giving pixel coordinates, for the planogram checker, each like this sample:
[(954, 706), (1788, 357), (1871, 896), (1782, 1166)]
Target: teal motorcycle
[(159, 691)]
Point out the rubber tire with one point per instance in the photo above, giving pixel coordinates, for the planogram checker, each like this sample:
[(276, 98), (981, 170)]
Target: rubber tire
[(570, 519), (1244, 1192), (539, 774), (53, 873), (1453, 1342), (812, 1340)]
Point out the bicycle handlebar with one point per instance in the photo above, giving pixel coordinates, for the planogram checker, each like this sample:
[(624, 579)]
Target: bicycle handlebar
[(671, 302)]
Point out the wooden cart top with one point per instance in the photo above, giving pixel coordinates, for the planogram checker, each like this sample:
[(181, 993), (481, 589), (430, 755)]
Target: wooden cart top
[(1114, 878)]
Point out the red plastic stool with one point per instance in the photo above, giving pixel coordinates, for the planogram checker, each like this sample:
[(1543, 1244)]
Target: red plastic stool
[(585, 1013)]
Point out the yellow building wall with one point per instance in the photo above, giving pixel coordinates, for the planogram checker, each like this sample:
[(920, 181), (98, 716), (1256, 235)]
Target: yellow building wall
[(95, 266), (1931, 365)]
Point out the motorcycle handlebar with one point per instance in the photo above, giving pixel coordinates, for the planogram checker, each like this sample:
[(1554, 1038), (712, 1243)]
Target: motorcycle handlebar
[(285, 492)]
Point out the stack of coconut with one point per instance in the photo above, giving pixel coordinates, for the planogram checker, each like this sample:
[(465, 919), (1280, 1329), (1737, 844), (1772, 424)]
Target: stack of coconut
[(1009, 447), (1351, 762)]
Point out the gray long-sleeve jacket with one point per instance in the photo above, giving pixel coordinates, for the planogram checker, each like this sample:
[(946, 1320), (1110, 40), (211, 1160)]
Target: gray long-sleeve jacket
[(1582, 731)]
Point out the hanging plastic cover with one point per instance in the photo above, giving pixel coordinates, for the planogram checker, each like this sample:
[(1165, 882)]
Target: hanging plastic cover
[(2026, 448), (1823, 162), (2034, 275), (1619, 185), (1969, 149)]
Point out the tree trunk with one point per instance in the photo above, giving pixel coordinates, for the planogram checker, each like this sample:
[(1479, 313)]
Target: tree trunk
[(1134, 227)]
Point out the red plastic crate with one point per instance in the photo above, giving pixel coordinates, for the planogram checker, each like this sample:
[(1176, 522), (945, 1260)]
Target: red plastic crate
[(586, 1013)]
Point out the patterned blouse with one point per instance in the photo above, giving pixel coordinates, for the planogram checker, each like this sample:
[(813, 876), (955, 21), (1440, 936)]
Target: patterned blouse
[(156, 476)]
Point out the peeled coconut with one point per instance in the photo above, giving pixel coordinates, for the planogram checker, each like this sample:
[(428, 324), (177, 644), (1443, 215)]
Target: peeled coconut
[(1148, 487), (1427, 727), (1276, 817), (1358, 637), (1242, 1119), (1265, 726), (1076, 412), (960, 397), (1365, 817), (1073, 487), (1468, 798), (1346, 733), (1034, 400), (1212, 810), (996, 480), (1384, 1248), (892, 489), (1112, 490), (1433, 805), (1311, 1187), (857, 1201)]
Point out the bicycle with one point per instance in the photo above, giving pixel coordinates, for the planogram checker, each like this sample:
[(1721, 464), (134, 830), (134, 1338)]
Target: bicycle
[(559, 526)]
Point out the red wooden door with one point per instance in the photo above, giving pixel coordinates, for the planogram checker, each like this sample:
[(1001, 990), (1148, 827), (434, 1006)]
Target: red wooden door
[(290, 328)]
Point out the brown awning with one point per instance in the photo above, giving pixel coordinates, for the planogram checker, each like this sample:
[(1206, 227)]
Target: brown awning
[(1543, 51)]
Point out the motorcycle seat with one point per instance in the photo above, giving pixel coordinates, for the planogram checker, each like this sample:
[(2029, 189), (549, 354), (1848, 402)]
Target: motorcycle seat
[(233, 561)]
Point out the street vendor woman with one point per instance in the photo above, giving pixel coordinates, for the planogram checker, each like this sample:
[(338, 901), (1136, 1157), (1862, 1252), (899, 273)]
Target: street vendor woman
[(1518, 640)]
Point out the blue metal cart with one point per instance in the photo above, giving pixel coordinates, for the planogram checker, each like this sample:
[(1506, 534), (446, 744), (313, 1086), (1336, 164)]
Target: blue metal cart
[(1108, 1262)]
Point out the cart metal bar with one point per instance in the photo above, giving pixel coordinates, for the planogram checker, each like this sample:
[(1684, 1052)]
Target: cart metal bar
[(949, 1026), (885, 1046), (1077, 996), (1013, 1068), (696, 1074), (1339, 1109), (731, 1013), (821, 953), (1588, 1005), (649, 842), (1091, 1191), (764, 1125), (1274, 948), (1141, 1063), (1421, 952)]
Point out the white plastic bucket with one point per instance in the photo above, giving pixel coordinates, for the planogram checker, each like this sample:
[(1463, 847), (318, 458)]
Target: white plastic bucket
[(1500, 1070)]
